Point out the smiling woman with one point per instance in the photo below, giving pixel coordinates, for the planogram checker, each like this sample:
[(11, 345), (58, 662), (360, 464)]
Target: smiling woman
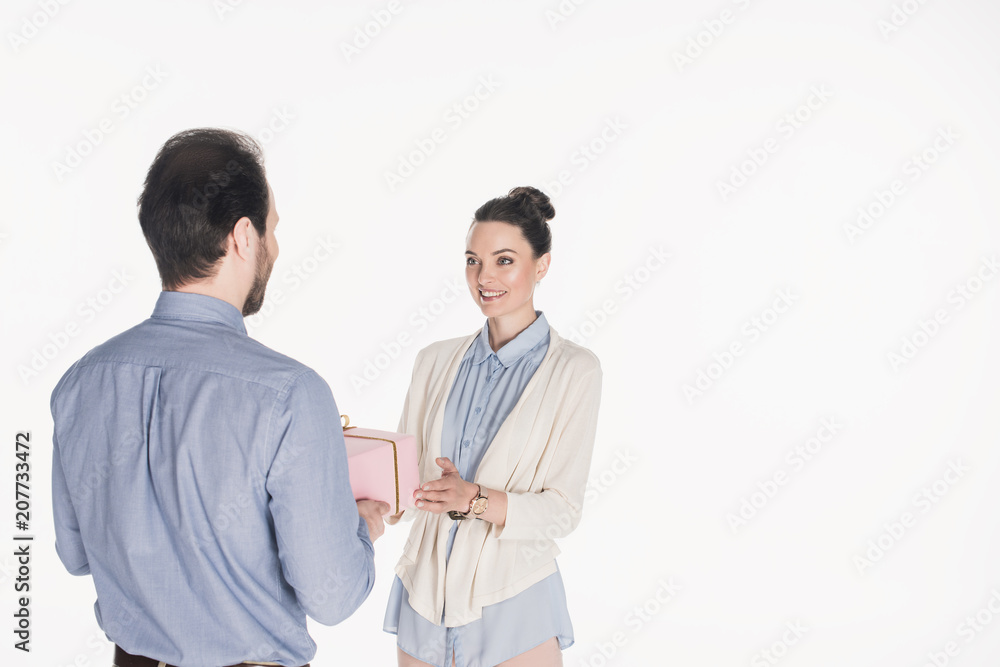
[(504, 262), (505, 422)]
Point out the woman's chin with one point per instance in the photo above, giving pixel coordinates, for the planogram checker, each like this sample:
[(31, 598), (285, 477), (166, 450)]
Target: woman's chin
[(492, 307)]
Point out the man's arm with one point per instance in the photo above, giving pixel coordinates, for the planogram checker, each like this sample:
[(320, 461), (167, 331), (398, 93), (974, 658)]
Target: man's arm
[(69, 543), (324, 545)]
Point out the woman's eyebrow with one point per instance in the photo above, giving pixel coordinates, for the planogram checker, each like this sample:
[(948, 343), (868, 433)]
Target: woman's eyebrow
[(495, 252)]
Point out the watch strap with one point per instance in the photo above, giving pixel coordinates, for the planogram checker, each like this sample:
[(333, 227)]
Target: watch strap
[(458, 516)]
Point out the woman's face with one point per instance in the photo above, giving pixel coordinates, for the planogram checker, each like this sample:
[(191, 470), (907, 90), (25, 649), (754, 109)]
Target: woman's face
[(501, 271)]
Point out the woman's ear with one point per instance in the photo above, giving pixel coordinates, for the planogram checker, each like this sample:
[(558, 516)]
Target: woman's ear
[(542, 266)]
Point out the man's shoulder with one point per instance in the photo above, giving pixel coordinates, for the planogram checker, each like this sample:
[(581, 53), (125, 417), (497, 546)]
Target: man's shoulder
[(273, 362), (223, 352)]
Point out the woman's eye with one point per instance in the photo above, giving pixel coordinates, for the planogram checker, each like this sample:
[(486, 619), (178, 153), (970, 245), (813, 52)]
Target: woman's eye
[(505, 260), (470, 261)]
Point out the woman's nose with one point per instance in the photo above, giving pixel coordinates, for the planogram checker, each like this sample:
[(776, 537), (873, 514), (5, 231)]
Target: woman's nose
[(485, 275)]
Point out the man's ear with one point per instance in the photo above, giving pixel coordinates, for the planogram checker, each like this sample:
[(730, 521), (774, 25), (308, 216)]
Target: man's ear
[(240, 238)]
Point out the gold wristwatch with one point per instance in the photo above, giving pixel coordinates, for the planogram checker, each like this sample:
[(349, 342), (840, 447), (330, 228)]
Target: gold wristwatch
[(479, 503), (476, 507)]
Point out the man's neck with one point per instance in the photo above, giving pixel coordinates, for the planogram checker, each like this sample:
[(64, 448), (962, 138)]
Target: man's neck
[(214, 289)]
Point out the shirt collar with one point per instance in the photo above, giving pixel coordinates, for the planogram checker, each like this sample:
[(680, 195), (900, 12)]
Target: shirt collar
[(523, 343), (198, 307)]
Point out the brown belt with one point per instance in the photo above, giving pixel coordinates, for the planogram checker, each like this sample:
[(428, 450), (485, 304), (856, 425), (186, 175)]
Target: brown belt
[(123, 659)]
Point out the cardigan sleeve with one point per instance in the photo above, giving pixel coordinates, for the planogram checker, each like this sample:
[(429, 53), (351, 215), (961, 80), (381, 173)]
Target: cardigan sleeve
[(555, 510), (408, 426)]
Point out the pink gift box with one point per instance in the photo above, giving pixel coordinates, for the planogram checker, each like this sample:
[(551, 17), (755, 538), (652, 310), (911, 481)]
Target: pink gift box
[(382, 466)]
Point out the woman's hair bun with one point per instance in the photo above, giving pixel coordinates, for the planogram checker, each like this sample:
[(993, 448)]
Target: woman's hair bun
[(536, 198), (527, 208)]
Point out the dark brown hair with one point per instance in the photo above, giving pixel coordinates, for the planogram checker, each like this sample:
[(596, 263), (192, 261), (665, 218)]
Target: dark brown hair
[(200, 184), (527, 208)]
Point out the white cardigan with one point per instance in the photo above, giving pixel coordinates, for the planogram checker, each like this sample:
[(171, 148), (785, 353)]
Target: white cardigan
[(540, 457)]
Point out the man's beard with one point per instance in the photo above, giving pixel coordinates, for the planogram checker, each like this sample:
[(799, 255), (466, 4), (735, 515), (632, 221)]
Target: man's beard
[(262, 273)]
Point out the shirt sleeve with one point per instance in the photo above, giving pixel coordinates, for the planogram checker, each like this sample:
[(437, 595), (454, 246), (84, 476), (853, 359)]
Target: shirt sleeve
[(69, 543), (555, 511), (323, 543)]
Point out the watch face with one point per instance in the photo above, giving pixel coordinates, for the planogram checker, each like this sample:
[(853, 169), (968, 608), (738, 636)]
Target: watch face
[(479, 506)]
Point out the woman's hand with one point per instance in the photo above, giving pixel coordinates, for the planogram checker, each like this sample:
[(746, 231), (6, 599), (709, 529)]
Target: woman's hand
[(450, 493)]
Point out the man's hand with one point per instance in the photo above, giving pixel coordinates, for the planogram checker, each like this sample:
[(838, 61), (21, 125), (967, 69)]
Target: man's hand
[(449, 493), (372, 512)]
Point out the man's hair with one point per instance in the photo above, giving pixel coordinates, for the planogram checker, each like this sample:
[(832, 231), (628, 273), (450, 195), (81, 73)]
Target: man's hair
[(200, 184)]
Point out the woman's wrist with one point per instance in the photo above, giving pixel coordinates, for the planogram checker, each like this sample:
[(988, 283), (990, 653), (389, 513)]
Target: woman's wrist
[(472, 492), (496, 509)]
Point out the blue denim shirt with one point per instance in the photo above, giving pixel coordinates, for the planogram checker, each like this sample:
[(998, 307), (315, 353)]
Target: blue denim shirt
[(201, 478)]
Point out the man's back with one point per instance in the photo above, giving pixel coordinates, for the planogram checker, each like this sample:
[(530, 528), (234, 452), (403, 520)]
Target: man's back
[(201, 478)]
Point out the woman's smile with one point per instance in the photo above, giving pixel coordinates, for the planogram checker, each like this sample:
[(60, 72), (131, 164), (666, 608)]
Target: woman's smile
[(489, 296)]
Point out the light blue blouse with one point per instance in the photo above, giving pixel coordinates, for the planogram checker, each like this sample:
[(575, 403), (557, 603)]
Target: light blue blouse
[(487, 387)]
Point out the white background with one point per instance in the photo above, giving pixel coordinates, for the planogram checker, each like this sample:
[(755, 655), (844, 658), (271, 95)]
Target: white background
[(669, 468)]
